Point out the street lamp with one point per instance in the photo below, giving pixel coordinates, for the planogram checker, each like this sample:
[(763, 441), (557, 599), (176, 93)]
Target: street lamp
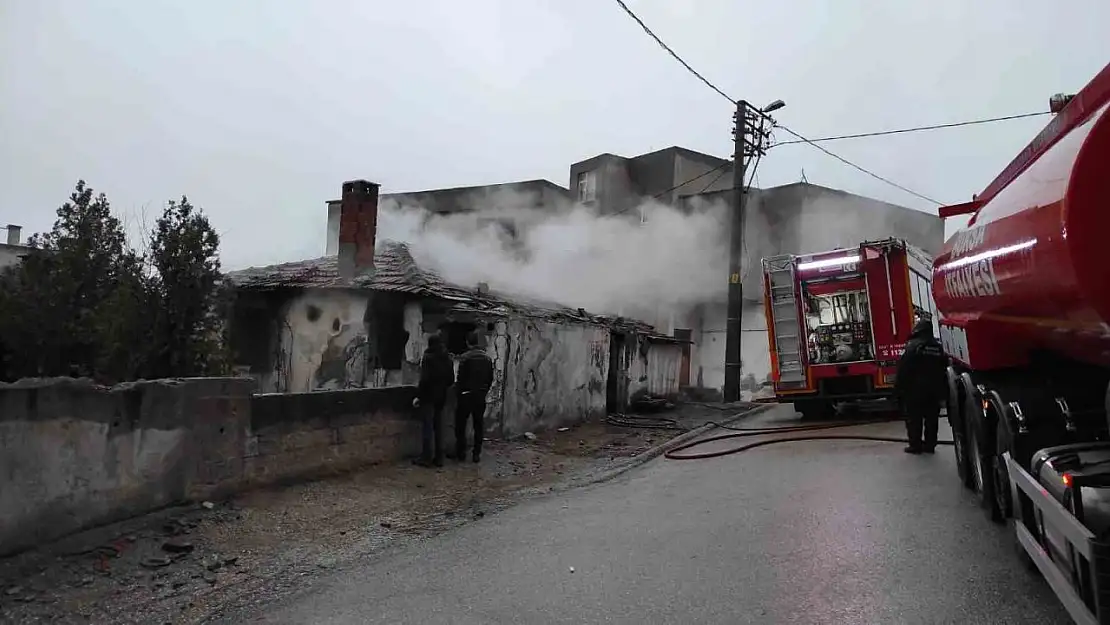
[(774, 106)]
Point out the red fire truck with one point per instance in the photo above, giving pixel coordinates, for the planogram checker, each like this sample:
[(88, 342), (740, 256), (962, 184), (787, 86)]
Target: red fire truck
[(838, 321), (1024, 297)]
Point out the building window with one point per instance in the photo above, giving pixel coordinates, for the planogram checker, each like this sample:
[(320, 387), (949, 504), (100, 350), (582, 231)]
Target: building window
[(587, 186)]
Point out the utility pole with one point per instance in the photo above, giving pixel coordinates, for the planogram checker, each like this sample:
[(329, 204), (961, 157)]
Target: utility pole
[(751, 128), (733, 366)]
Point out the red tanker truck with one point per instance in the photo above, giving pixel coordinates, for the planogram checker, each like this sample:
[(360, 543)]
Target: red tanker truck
[(1023, 295)]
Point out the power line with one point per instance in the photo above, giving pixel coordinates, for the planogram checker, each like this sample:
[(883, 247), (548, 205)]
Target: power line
[(899, 131), (724, 95), (672, 52), (719, 168), (713, 181), (851, 164)]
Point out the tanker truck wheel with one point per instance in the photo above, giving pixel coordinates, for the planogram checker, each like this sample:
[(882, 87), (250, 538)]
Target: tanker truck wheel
[(957, 421), (980, 450)]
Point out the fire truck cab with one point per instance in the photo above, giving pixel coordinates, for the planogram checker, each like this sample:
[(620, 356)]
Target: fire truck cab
[(837, 321)]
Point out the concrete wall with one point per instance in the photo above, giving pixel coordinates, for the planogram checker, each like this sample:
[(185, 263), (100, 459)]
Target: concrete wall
[(74, 455), (707, 355), (654, 369), (11, 254), (555, 374), (804, 218), (612, 179), (298, 435), (697, 171)]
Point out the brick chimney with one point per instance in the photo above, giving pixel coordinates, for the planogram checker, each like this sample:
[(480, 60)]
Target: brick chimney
[(13, 234), (358, 225)]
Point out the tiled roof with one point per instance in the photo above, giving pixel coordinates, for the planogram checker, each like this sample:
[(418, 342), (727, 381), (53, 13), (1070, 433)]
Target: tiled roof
[(396, 271)]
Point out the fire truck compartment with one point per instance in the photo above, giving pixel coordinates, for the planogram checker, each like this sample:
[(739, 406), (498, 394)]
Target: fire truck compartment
[(838, 326)]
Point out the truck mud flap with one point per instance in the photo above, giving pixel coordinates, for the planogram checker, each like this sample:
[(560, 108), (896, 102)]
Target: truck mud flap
[(1082, 581)]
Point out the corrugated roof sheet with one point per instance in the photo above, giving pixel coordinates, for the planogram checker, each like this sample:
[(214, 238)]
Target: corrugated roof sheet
[(396, 271)]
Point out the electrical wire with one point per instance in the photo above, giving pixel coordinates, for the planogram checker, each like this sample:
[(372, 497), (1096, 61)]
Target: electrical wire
[(801, 138), (722, 168), (713, 182), (672, 52), (883, 133), (866, 171)]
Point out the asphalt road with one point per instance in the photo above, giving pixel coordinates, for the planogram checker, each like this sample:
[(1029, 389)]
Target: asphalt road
[(807, 532)]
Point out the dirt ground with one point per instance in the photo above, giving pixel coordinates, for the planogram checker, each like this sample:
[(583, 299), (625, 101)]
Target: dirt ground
[(184, 565)]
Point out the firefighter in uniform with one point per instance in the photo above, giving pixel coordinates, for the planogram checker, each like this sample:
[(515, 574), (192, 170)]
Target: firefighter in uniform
[(920, 386)]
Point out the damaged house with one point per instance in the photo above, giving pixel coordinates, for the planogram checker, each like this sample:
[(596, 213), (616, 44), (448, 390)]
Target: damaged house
[(361, 318)]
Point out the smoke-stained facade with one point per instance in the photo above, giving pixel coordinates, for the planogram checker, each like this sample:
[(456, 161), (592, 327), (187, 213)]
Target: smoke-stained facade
[(627, 254), (305, 326)]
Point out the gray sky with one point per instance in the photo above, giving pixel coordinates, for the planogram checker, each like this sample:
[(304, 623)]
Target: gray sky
[(258, 110)]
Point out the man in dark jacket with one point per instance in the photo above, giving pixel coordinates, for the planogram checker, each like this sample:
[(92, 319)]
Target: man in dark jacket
[(437, 374), (920, 387), (475, 378)]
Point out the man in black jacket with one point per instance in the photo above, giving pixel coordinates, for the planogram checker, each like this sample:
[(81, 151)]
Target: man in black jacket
[(437, 374), (475, 378), (920, 387)]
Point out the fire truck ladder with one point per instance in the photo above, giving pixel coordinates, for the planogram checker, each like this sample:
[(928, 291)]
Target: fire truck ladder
[(784, 315)]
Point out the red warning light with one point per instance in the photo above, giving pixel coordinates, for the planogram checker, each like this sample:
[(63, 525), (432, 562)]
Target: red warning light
[(1067, 479)]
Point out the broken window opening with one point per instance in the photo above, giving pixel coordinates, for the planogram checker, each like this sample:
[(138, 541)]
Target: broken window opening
[(385, 322), (454, 335), (251, 335)]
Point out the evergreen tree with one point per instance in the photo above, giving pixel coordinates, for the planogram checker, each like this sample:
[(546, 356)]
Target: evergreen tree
[(184, 253)]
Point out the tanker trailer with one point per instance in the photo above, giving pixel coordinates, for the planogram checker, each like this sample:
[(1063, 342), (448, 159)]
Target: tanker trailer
[(1023, 294)]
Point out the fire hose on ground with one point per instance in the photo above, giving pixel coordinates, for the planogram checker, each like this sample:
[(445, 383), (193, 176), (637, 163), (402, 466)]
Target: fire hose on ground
[(741, 433)]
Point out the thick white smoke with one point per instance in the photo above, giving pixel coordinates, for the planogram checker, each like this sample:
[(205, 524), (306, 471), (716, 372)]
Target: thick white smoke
[(570, 255)]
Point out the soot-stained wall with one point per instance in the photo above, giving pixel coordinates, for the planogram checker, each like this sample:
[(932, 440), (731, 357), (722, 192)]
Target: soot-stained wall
[(323, 340), (555, 374), (654, 368)]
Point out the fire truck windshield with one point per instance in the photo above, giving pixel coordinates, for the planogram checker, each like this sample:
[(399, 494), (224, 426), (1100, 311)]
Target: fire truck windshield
[(839, 328)]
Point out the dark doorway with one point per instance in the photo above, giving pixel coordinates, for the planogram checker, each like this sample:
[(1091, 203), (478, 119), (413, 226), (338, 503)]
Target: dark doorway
[(616, 391), (454, 335), (684, 366)]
